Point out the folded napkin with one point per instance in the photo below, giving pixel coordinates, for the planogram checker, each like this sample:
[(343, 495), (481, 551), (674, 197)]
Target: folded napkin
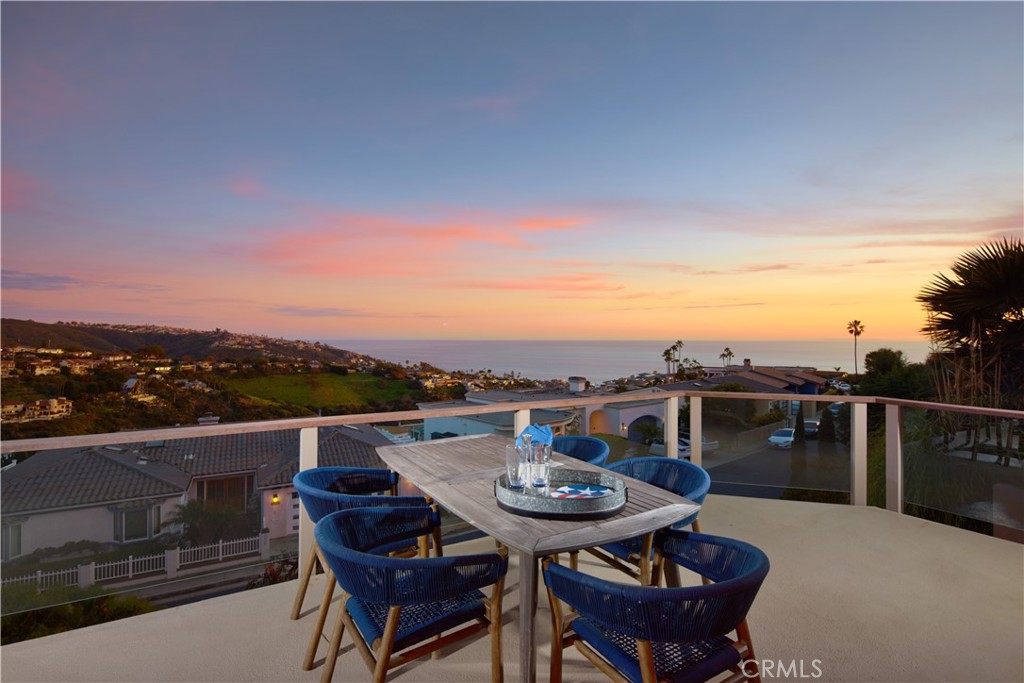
[(540, 434)]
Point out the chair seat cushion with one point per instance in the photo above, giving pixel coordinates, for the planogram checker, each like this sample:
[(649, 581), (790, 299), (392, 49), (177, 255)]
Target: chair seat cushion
[(674, 662), (417, 622)]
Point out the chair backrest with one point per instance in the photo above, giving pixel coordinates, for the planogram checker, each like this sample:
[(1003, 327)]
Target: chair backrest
[(678, 476), (348, 538), (324, 490), (587, 448), (679, 615)]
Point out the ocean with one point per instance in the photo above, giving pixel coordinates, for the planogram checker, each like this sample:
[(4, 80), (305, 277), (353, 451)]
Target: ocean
[(599, 361)]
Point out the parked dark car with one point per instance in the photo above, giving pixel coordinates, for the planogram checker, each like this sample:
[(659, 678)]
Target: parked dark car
[(810, 429)]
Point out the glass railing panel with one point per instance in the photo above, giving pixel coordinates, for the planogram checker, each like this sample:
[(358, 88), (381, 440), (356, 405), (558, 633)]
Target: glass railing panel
[(964, 470), (759, 454), (110, 531)]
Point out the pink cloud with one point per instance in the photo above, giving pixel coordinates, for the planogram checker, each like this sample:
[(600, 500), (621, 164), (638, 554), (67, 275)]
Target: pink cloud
[(357, 244), (39, 97), (574, 282), (632, 296), (247, 186), (549, 224), (18, 190), (504, 104)]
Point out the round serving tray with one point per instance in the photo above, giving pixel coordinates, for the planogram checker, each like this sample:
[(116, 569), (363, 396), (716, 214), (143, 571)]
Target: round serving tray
[(571, 494)]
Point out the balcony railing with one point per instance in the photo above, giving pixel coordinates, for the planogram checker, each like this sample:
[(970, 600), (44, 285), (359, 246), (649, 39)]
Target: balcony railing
[(919, 472)]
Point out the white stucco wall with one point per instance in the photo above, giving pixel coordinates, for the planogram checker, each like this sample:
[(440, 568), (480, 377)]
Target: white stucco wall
[(54, 529), (281, 519)]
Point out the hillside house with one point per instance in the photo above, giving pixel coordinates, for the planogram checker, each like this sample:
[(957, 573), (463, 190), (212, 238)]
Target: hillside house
[(44, 409), (121, 494)]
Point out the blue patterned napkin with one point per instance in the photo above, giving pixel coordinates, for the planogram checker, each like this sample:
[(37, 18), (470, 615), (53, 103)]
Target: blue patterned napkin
[(540, 434)]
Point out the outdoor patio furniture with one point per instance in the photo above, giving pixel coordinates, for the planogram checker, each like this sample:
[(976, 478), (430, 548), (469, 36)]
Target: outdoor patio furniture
[(459, 475), (324, 490), (650, 633), (397, 609), (633, 555), (587, 448)]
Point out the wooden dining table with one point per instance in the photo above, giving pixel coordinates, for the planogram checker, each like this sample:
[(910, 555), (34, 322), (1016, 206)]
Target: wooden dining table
[(459, 474)]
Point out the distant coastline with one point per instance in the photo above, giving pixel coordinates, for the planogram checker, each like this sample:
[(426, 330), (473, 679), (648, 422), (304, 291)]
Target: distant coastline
[(599, 361)]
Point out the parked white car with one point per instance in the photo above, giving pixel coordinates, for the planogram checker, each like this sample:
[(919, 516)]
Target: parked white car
[(705, 445), (781, 438), (657, 447)]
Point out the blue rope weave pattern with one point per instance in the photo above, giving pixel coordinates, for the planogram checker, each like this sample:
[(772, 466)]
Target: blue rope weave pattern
[(586, 448), (686, 624), (678, 476)]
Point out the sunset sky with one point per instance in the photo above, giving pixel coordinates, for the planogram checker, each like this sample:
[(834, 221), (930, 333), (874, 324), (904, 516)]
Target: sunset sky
[(504, 170)]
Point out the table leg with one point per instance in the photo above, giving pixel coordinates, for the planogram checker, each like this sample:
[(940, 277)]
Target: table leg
[(528, 568)]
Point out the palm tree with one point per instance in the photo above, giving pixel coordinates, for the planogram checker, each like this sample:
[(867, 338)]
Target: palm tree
[(678, 346), (856, 328), (726, 356), (976, 319), (666, 355)]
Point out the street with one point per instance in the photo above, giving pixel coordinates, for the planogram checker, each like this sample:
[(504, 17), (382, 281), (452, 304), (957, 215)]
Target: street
[(780, 472)]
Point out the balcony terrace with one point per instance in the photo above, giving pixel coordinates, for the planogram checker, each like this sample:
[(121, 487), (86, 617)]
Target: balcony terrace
[(855, 593)]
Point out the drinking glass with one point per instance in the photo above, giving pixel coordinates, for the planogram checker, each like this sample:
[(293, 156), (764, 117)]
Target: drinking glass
[(540, 464), (516, 465)]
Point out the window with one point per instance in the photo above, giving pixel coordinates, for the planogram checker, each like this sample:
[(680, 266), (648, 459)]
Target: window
[(230, 492), (11, 541), (136, 524)]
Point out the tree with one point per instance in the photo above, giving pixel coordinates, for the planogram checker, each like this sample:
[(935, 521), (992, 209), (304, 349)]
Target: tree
[(887, 373), (203, 524), (666, 355), (977, 316), (152, 351), (856, 328), (648, 431), (976, 321), (726, 355), (827, 427)]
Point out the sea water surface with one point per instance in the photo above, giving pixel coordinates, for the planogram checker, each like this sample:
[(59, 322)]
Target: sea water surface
[(599, 361)]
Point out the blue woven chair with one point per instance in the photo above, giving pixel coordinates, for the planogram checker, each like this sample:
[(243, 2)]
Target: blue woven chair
[(587, 448), (324, 490), (633, 555), (396, 609), (648, 633)]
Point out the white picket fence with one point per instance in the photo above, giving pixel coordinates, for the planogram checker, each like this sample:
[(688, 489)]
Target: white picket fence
[(132, 567), (49, 579), (216, 552), (129, 567)]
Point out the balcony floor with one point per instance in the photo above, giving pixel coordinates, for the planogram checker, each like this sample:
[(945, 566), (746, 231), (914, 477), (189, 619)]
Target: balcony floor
[(870, 595)]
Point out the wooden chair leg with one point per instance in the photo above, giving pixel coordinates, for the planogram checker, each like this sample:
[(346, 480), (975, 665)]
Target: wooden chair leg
[(321, 621), (696, 525), (557, 628), (743, 633), (494, 617), (335, 645), (645, 559), (307, 572), (387, 644), (645, 654)]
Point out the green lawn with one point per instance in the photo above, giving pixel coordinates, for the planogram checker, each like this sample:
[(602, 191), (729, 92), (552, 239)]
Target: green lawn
[(322, 390)]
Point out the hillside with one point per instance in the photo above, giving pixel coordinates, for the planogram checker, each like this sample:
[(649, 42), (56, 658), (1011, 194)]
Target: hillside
[(177, 342)]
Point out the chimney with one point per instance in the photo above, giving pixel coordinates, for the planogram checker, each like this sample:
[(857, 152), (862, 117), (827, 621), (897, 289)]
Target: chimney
[(747, 365), (577, 384)]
